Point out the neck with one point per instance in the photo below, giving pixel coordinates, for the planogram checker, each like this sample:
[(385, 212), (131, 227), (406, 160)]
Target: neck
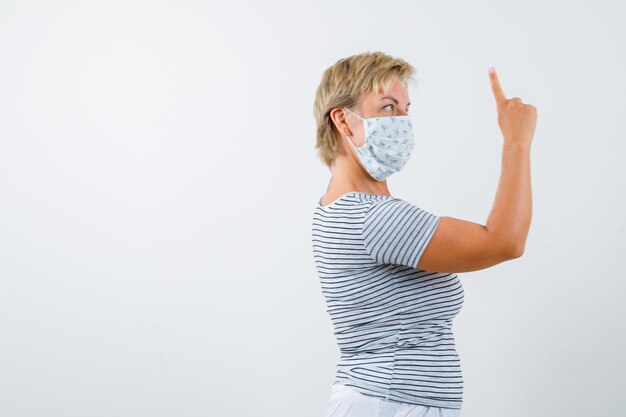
[(349, 175)]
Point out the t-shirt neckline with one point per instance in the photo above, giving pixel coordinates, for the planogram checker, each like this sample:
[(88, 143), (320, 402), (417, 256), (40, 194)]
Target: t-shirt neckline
[(319, 204)]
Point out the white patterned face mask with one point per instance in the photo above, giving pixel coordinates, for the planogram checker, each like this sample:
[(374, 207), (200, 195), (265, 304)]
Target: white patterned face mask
[(388, 144)]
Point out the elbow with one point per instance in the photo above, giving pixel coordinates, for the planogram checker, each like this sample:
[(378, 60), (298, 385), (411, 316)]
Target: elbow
[(516, 251)]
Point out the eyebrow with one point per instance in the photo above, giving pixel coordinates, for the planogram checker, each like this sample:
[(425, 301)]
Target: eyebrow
[(396, 101)]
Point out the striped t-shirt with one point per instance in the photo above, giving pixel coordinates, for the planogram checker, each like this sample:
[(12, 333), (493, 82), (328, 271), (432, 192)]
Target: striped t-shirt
[(392, 322)]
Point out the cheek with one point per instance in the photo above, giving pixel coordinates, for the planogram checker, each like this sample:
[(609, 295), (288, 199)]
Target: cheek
[(358, 136), (358, 140)]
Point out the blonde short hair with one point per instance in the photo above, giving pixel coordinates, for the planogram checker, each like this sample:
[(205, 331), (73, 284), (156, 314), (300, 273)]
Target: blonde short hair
[(343, 84)]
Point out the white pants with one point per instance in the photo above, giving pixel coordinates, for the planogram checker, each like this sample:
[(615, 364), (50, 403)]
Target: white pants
[(345, 401)]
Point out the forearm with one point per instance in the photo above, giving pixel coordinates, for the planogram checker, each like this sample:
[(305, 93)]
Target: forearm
[(509, 220)]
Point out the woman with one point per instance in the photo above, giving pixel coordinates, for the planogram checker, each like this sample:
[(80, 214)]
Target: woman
[(388, 267)]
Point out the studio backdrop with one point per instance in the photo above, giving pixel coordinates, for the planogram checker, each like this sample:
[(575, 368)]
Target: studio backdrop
[(158, 178)]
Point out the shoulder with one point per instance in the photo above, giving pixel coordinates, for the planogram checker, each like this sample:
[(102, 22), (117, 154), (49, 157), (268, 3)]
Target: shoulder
[(389, 204), (396, 211)]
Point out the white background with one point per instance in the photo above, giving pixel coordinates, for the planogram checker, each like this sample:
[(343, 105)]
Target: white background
[(158, 179)]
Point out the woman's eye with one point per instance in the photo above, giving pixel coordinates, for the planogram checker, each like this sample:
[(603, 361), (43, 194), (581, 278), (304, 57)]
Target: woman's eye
[(388, 105)]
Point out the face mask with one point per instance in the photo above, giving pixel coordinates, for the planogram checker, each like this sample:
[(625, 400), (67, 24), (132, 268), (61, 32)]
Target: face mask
[(388, 144)]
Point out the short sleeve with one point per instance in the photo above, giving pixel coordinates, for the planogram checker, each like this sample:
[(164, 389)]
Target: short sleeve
[(397, 232)]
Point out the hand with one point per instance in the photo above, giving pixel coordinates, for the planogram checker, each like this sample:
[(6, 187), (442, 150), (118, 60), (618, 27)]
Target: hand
[(517, 120)]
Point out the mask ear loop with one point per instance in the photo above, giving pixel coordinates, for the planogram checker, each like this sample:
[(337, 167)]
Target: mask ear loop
[(348, 137), (354, 113)]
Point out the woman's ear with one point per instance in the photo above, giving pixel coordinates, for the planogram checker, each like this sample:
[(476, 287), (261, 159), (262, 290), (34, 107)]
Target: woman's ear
[(337, 115)]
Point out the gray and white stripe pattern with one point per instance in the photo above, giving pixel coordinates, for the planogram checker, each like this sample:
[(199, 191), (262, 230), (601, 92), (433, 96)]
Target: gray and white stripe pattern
[(392, 322)]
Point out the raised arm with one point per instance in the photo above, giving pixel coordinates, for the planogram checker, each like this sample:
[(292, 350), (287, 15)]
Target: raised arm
[(461, 246)]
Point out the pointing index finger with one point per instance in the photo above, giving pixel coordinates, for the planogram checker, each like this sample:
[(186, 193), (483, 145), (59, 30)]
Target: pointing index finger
[(495, 87)]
